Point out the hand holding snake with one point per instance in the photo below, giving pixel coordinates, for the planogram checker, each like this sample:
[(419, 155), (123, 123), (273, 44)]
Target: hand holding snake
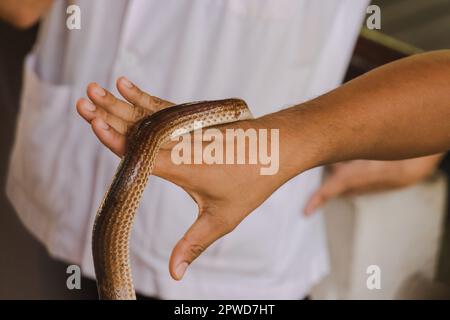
[(221, 208)]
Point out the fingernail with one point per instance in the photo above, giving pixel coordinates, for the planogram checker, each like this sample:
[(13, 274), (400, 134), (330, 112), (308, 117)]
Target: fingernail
[(88, 106), (103, 125), (127, 83), (181, 269), (98, 91)]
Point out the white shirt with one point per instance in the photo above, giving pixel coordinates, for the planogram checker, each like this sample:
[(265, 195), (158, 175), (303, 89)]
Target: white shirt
[(272, 53)]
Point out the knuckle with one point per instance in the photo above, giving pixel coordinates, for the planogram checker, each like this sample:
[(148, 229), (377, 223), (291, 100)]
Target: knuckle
[(107, 117), (125, 127), (147, 99), (155, 103), (134, 95), (110, 99), (221, 223), (137, 113), (196, 249), (142, 97)]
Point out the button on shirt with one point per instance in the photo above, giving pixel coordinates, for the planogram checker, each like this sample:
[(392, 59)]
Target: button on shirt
[(272, 53)]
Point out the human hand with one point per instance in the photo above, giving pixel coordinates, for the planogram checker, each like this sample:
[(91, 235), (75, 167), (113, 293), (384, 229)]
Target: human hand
[(367, 176), (220, 191), (111, 117)]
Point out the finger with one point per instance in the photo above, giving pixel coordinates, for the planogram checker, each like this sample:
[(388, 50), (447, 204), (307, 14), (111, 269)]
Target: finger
[(205, 230), (86, 109), (332, 187), (109, 136), (137, 97), (105, 100), (89, 112)]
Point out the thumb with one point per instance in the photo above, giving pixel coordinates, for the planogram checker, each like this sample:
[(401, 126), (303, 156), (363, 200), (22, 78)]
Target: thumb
[(205, 230), (333, 186)]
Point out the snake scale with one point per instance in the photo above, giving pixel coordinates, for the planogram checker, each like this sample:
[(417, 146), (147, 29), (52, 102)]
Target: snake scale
[(114, 220)]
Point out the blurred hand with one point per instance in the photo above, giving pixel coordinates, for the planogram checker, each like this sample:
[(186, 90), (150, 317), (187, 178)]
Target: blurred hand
[(366, 176), (220, 191)]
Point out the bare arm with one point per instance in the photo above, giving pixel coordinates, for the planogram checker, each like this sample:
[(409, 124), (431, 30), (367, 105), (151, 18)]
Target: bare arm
[(398, 111), (23, 13)]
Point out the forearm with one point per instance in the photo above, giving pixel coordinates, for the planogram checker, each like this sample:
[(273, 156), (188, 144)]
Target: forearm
[(397, 111), (23, 13)]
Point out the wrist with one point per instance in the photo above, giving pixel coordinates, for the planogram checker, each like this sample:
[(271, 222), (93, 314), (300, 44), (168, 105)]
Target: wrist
[(292, 145), (305, 139)]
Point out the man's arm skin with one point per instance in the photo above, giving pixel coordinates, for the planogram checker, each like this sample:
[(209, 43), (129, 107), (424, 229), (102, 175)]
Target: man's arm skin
[(398, 111), (23, 13), (358, 177)]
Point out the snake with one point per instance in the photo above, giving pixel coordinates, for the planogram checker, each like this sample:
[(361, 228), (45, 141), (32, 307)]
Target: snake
[(114, 219)]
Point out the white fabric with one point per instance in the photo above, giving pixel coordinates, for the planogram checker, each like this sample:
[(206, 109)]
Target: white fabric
[(271, 53)]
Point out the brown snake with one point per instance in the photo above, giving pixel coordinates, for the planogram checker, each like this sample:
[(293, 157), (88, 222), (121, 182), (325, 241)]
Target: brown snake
[(114, 220)]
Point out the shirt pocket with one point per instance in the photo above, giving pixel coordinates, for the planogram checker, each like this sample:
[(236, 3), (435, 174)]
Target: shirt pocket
[(40, 152)]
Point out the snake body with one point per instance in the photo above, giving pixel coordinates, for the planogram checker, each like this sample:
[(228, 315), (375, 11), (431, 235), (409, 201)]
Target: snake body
[(115, 216)]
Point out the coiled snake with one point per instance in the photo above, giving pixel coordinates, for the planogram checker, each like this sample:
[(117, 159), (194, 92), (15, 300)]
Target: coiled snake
[(114, 220)]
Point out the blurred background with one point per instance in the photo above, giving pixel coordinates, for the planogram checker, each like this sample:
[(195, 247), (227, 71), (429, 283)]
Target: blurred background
[(368, 228)]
